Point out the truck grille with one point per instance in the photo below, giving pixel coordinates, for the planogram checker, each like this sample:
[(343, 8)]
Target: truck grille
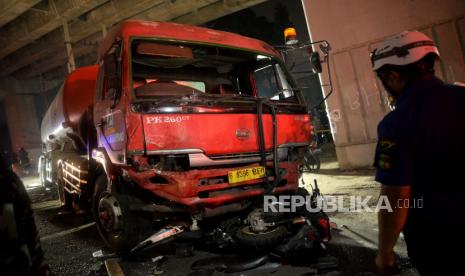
[(203, 160), (238, 155)]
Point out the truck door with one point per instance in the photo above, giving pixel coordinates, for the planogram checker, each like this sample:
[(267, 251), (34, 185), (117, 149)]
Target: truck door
[(109, 116)]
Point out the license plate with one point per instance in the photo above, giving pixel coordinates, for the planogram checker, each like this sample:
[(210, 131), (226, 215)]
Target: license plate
[(242, 175)]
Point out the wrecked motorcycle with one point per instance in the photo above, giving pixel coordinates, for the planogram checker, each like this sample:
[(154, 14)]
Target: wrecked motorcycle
[(265, 229), (300, 236)]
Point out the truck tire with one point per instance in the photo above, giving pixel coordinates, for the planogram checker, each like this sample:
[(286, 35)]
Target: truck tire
[(263, 240), (42, 173), (120, 228)]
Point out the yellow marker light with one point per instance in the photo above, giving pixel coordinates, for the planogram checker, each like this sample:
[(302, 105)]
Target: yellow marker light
[(290, 36), (289, 32)]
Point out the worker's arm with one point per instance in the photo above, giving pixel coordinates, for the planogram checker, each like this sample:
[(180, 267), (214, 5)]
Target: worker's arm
[(390, 224), (394, 170)]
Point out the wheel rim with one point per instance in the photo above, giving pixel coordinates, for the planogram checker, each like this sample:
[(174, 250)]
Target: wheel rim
[(109, 214)]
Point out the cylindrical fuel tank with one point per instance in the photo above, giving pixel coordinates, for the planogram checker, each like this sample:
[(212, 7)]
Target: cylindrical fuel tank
[(71, 102)]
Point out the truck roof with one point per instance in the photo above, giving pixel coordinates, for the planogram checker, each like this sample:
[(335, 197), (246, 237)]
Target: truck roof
[(181, 32)]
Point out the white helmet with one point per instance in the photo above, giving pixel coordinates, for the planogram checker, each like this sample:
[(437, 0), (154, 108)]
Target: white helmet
[(402, 49)]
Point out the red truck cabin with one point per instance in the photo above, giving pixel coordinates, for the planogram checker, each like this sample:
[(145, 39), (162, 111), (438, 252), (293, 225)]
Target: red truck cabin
[(176, 111)]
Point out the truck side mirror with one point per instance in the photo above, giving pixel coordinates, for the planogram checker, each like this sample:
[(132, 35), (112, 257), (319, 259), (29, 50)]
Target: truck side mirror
[(315, 62)]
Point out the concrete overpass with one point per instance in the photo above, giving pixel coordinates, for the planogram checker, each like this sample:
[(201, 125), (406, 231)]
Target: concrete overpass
[(42, 40)]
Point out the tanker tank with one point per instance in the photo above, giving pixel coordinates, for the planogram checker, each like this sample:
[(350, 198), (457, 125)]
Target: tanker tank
[(71, 102)]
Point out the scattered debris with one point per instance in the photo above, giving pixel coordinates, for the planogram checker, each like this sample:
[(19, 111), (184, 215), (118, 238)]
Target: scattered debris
[(161, 235), (97, 254), (158, 258)]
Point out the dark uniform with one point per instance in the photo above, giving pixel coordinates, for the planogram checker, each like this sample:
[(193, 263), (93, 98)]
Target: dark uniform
[(20, 249), (422, 144)]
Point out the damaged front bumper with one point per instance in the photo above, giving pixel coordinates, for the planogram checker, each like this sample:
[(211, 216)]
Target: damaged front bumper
[(210, 188)]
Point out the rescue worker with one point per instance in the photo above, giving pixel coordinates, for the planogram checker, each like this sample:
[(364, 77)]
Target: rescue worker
[(20, 250), (420, 158)]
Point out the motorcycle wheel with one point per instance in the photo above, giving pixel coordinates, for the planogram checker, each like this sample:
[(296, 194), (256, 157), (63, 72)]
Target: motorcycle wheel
[(312, 162), (247, 237)]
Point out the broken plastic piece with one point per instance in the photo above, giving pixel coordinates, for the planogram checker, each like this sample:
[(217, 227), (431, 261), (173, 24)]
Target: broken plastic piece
[(97, 254), (161, 235), (100, 254), (157, 258)]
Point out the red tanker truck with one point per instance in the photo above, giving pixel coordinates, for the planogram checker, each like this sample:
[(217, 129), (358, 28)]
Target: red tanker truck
[(176, 126)]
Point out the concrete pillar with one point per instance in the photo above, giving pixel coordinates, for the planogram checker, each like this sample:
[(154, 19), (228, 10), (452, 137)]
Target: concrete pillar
[(354, 28), (23, 125), (104, 31), (69, 49)]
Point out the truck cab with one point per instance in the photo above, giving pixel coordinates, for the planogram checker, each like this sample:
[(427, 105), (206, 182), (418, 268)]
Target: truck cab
[(190, 124)]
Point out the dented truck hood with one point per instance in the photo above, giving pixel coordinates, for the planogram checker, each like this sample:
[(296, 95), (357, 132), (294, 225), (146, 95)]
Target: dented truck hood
[(219, 134)]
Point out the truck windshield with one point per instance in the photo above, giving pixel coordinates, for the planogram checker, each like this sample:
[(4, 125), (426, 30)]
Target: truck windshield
[(162, 69)]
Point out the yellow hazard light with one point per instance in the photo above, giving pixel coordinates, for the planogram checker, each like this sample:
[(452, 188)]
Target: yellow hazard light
[(290, 36), (289, 32)]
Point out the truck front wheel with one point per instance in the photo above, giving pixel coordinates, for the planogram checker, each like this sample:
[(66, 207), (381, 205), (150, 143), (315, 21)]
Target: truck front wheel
[(120, 228), (43, 173)]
